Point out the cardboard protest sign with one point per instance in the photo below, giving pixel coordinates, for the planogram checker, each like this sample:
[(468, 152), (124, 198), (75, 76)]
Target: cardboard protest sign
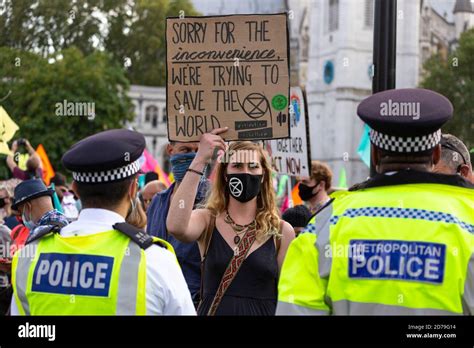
[(292, 156), (227, 71)]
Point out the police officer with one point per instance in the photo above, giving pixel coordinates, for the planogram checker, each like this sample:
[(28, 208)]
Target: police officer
[(100, 265), (403, 243)]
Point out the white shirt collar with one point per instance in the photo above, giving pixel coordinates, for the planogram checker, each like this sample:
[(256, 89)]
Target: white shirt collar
[(102, 215), (92, 220)]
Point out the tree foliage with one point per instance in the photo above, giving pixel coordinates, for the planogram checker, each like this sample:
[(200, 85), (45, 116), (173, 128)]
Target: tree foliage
[(137, 37), (133, 31), (84, 51), (454, 78), (39, 85)]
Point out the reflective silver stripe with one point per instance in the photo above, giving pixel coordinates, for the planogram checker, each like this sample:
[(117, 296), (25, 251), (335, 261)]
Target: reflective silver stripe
[(322, 225), (468, 297), (285, 308), (344, 307), (25, 258), (128, 280)]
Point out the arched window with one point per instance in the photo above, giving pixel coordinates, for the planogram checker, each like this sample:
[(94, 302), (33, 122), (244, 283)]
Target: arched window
[(333, 15), (151, 112), (164, 119), (369, 14)]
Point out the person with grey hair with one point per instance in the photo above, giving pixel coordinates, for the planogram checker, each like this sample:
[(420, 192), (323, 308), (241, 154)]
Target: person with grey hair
[(8, 216), (455, 158)]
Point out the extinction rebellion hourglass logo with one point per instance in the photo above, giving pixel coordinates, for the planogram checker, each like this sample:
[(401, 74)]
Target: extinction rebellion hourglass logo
[(236, 187)]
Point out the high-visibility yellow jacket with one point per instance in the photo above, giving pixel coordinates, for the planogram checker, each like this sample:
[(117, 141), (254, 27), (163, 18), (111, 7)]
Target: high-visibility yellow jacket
[(398, 249), (96, 274)]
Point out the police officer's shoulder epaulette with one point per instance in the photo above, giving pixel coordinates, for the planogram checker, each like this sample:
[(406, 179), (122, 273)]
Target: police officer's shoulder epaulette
[(41, 231), (162, 243), (325, 205), (311, 224), (140, 237)]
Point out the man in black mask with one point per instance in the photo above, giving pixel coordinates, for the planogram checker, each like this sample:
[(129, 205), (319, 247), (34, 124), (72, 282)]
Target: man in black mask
[(314, 190)]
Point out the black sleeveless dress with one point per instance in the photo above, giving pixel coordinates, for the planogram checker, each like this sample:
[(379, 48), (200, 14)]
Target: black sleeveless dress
[(253, 290)]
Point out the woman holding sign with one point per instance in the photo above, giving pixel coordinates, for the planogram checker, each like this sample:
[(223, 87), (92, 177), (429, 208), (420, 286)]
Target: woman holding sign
[(241, 238)]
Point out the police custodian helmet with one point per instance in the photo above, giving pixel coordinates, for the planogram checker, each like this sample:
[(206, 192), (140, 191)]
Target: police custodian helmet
[(105, 157), (405, 120)]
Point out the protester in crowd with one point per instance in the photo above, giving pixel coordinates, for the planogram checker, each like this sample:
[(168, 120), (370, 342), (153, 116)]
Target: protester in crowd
[(181, 156), (151, 176), (137, 214), (239, 225), (5, 270), (33, 164), (8, 216), (297, 217), (455, 158), (314, 190), (149, 191), (66, 197), (134, 273), (357, 256), (33, 200)]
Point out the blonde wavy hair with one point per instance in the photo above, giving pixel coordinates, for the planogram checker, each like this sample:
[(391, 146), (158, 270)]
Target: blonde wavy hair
[(267, 218)]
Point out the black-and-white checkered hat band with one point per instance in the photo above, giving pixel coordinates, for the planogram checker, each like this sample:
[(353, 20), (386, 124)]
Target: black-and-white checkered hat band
[(405, 144), (107, 175)]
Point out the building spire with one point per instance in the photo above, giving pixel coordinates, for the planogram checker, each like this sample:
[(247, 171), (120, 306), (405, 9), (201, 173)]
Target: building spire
[(463, 6)]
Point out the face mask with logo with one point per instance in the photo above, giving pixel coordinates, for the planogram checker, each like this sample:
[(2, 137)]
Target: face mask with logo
[(243, 187), (180, 162), (306, 192)]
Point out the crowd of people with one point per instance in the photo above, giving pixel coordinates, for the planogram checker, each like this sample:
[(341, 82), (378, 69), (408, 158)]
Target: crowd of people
[(216, 242)]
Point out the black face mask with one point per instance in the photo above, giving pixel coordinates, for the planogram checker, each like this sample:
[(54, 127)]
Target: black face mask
[(2, 202), (306, 192), (243, 187)]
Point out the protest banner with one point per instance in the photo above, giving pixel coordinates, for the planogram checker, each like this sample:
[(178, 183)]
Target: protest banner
[(292, 156), (228, 71)]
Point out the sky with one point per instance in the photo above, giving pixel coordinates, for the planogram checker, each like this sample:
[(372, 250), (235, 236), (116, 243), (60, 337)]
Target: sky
[(442, 6)]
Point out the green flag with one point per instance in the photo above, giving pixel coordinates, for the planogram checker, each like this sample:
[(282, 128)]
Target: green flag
[(56, 202), (342, 178), (282, 185)]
